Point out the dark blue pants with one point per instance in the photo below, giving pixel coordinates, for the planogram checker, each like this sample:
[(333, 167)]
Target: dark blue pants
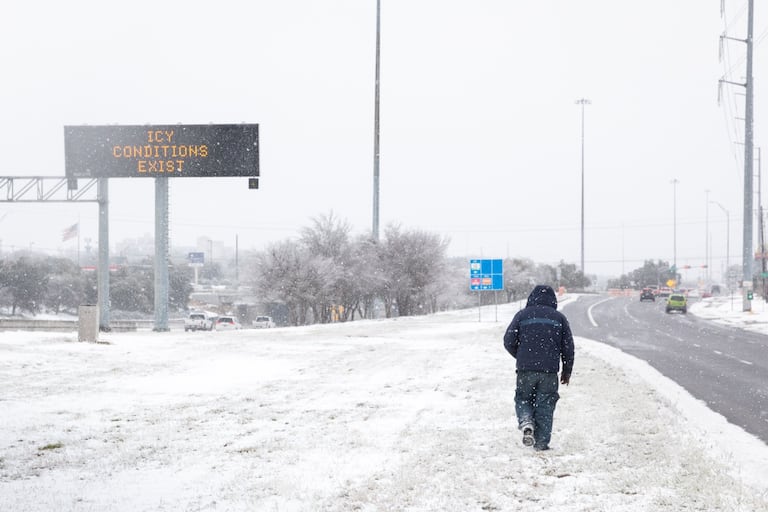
[(535, 399)]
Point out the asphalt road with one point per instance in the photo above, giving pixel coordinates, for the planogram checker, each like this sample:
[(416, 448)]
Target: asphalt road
[(725, 367)]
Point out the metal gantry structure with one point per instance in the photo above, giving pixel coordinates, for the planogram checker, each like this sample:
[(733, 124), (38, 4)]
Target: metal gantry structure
[(45, 189), (56, 189)]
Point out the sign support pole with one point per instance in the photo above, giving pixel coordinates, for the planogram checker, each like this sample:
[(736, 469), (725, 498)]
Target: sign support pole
[(102, 275), (161, 254)]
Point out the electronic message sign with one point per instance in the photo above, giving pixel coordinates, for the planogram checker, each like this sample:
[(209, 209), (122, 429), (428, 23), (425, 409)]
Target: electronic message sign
[(193, 150)]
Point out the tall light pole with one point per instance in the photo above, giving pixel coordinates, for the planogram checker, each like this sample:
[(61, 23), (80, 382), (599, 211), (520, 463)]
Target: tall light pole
[(376, 127), (582, 102), (674, 223)]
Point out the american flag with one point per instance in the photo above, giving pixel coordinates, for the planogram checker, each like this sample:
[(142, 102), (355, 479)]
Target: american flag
[(71, 232)]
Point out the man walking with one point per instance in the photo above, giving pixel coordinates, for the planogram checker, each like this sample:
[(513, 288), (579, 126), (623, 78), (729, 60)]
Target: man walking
[(539, 337)]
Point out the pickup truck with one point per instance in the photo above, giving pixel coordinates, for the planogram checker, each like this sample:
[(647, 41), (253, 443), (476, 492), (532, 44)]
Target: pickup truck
[(198, 321), (263, 322)]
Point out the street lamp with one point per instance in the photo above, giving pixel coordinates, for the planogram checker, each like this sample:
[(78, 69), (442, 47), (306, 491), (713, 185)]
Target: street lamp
[(582, 102), (727, 243), (707, 254), (674, 222)]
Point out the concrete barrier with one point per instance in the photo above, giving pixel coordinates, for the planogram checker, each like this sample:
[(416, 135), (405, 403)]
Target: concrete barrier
[(88, 323)]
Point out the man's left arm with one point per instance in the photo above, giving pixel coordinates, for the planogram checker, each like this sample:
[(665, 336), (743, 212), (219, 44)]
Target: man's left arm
[(511, 339)]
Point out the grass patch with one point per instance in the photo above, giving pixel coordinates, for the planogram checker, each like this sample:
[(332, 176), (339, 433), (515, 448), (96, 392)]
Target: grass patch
[(51, 446)]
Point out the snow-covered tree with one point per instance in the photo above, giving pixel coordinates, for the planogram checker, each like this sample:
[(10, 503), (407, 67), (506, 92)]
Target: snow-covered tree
[(284, 273), (25, 281), (571, 277), (66, 285), (413, 263), (519, 278), (327, 241)]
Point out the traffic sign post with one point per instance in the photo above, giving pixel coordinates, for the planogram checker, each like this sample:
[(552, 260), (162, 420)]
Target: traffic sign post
[(196, 260), (486, 275)]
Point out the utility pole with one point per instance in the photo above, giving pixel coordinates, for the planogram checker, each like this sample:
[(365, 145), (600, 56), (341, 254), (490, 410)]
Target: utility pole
[(760, 222), (582, 102), (376, 127), (748, 169), (746, 263)]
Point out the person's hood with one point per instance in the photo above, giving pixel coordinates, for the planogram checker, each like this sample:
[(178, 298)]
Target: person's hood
[(542, 295)]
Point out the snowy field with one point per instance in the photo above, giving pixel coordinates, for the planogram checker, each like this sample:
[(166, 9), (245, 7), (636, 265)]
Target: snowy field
[(410, 414)]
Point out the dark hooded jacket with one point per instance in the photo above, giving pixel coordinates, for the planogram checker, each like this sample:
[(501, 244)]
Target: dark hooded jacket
[(539, 336)]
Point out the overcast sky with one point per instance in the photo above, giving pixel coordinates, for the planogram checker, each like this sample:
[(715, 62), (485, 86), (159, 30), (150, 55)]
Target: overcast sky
[(480, 133)]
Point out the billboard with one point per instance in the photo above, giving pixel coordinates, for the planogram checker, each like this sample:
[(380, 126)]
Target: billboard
[(196, 259), (192, 150)]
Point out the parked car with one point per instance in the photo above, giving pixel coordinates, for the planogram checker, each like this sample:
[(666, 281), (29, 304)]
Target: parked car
[(198, 321), (227, 323), (647, 294), (263, 322), (677, 302)]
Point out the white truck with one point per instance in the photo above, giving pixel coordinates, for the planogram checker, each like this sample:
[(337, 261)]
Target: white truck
[(198, 321), (263, 322)]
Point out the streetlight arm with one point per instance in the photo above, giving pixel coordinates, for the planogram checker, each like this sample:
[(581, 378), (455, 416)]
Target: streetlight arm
[(721, 207)]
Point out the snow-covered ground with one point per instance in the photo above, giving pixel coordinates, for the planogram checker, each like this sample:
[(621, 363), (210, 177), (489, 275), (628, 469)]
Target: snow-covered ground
[(406, 414)]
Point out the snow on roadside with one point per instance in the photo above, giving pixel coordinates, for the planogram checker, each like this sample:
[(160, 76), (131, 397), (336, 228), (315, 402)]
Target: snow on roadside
[(728, 310), (407, 414)]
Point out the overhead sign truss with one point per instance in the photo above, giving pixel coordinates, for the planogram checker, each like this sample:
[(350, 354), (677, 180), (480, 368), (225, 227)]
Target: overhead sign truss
[(35, 189)]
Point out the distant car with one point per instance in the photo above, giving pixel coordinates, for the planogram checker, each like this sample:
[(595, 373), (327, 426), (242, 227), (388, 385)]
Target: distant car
[(647, 294), (227, 323), (198, 321), (677, 302), (263, 322), (665, 291)]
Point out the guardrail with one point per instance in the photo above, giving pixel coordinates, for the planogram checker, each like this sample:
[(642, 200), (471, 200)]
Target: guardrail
[(622, 292), (31, 324), (26, 324)]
